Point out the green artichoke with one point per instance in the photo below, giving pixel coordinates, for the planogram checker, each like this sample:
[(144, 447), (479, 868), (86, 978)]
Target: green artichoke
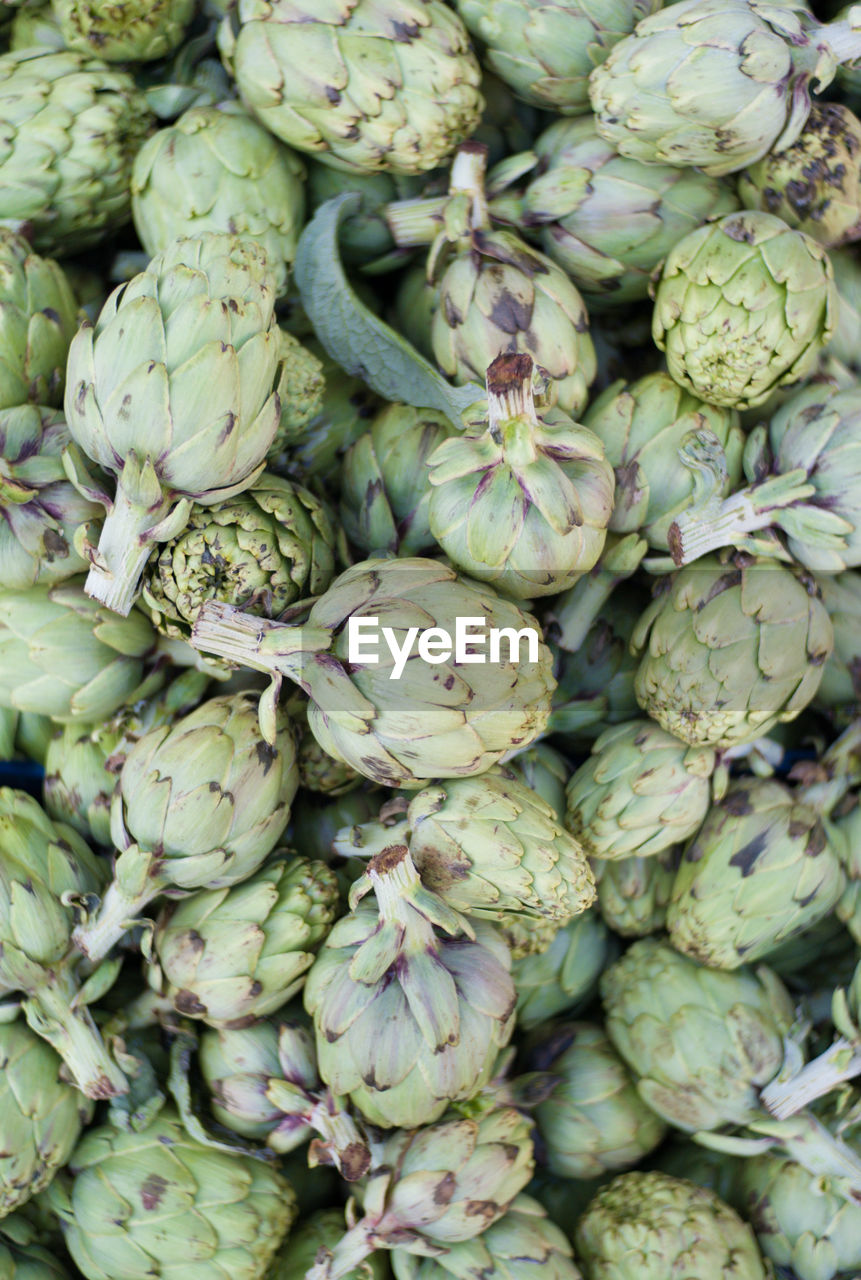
[(364, 237), (594, 1120), (385, 487), (640, 792), (322, 1230), (432, 1188), (399, 722), (743, 306), (217, 169), (173, 391), (521, 1245), (312, 448), (545, 772), (26, 1260), (38, 319), (149, 1202), (545, 49), (364, 86), (316, 820), (699, 1041), (488, 846), (318, 771), (41, 1116), (41, 511), (716, 84), (633, 893), (410, 1002), (718, 1171), (260, 550), (814, 185), (840, 690), (42, 627), (729, 651), (522, 499), (760, 871), (131, 31), (608, 220), (35, 26), (648, 1226), (200, 803), (642, 426), (70, 126), (845, 345), (499, 295), (302, 392), (563, 977), (806, 1223), (234, 954)]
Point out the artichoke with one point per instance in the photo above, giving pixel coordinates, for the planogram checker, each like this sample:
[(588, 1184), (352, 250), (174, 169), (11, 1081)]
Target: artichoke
[(633, 893), (302, 392), (563, 977), (138, 1202), (40, 509), (35, 26), (488, 846), (716, 84), (70, 126), (640, 792), (364, 86), (26, 1260), (385, 487), (400, 722), (132, 31), (38, 319), (260, 550), (217, 169), (233, 954), (318, 771), (364, 238), (523, 498), (730, 650), (41, 1116), (173, 391), (815, 184), (322, 1230), (313, 447), (840, 690), (545, 49), (642, 426), (545, 772), (42, 627), (605, 219), (316, 820), (200, 803), (594, 1120), (743, 306), (647, 1226), (845, 345), (410, 1001)]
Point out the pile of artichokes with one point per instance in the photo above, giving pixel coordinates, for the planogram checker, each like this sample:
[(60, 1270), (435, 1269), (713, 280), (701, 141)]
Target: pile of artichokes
[(346, 347)]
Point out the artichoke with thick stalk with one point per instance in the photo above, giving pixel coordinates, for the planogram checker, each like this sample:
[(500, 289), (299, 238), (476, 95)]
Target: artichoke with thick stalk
[(200, 803), (362, 86), (406, 720), (523, 497), (729, 650), (217, 169), (134, 31), (743, 306), (716, 84), (410, 1001), (38, 320), (200, 315)]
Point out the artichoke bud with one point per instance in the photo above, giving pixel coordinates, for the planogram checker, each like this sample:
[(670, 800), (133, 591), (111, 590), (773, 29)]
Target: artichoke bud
[(141, 31)]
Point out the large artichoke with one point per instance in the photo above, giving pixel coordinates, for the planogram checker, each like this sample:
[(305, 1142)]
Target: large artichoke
[(716, 84), (744, 305), (400, 723), (730, 650), (217, 169), (174, 392), (70, 127), (410, 1002), (522, 499), (362, 85)]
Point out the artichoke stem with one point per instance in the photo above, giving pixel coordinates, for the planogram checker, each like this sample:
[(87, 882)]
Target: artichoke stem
[(75, 1036), (350, 1251), (123, 552), (840, 1062), (254, 642), (582, 604), (395, 881), (511, 407), (467, 177), (694, 534), (415, 222), (344, 1143), (117, 912), (843, 39)]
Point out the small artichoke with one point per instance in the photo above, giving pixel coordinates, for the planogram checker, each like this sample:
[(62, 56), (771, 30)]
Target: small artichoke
[(131, 31), (633, 893), (563, 977), (364, 86), (410, 1003), (234, 954), (522, 499), (730, 650), (594, 1120), (647, 1226), (217, 169), (743, 306), (260, 550), (302, 391), (38, 320), (640, 792)]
